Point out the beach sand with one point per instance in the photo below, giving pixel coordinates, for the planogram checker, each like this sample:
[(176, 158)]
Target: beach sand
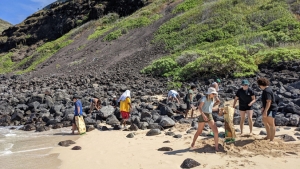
[(111, 149)]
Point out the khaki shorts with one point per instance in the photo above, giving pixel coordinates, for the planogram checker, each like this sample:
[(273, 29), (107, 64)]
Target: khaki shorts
[(208, 115)]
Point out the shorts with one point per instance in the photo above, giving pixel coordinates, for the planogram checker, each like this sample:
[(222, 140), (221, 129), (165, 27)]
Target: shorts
[(125, 115), (272, 114), (73, 121), (245, 107), (208, 115), (188, 105)]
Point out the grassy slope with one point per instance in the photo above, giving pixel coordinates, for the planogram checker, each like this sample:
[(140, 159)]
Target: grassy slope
[(4, 25), (227, 37), (108, 28)]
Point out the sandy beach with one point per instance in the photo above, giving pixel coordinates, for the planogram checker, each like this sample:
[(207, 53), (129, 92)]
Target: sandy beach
[(111, 149)]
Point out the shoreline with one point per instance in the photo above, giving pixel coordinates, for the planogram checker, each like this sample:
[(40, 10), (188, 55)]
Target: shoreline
[(111, 149), (31, 149)]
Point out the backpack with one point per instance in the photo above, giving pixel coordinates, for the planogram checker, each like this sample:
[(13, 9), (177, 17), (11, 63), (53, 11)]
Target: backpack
[(185, 99)]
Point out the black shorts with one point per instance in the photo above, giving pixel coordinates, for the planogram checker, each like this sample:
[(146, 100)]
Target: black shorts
[(272, 114), (245, 107)]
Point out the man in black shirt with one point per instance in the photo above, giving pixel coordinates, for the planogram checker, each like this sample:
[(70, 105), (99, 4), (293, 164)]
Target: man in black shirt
[(269, 108), (246, 99)]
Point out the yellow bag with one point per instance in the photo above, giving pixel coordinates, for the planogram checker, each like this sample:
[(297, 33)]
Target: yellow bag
[(80, 124), (229, 127)]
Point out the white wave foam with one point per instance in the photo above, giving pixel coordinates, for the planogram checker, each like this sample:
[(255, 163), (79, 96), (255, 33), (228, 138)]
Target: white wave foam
[(10, 135), (7, 152)]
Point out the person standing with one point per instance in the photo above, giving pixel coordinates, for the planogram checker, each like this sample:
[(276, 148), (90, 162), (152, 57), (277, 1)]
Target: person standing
[(216, 85), (125, 106), (77, 111), (246, 98), (269, 108), (189, 101), (173, 95), (206, 108)]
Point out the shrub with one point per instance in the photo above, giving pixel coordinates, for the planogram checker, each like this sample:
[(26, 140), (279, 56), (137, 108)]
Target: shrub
[(161, 67)]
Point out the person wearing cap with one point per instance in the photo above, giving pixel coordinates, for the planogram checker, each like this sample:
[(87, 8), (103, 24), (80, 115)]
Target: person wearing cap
[(77, 111), (246, 98), (216, 86), (95, 104), (173, 95), (206, 107), (114, 102), (269, 108)]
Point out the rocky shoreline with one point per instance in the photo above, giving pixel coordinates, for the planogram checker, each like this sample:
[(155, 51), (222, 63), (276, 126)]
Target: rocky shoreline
[(49, 99)]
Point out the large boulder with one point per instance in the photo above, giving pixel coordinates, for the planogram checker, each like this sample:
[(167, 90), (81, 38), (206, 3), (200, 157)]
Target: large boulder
[(166, 110), (89, 121), (106, 111), (281, 120), (258, 122), (292, 108), (294, 120), (166, 122), (153, 132), (112, 120)]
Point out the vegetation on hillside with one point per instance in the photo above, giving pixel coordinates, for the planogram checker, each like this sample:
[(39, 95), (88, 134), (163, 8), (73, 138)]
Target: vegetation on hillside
[(4, 25), (227, 38)]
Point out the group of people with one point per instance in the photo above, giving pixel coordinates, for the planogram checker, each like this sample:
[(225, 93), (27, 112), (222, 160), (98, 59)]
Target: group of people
[(245, 97), (95, 104)]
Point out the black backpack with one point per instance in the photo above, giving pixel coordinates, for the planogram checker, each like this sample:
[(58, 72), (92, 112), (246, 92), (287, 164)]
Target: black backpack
[(185, 99)]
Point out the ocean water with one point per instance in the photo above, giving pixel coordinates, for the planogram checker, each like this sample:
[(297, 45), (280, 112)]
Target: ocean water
[(30, 149)]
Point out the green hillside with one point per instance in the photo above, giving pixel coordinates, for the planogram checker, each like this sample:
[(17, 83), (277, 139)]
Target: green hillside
[(227, 37), (4, 25)]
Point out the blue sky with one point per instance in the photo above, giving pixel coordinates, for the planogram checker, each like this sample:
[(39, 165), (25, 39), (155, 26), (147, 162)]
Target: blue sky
[(15, 11)]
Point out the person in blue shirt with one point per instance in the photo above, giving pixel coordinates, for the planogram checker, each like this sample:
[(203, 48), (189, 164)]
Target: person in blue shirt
[(77, 111)]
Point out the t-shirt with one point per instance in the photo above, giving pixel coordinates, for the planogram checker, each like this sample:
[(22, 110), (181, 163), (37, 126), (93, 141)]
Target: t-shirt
[(268, 94), (244, 96), (78, 104), (191, 93), (172, 93), (124, 105), (208, 105)]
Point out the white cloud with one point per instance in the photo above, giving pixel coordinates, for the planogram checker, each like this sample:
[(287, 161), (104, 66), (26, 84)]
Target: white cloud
[(43, 3)]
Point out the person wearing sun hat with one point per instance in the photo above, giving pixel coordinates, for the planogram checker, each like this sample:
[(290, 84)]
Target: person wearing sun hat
[(246, 98), (206, 108)]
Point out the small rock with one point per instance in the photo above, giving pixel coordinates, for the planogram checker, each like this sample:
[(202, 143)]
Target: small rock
[(130, 135), (89, 128), (287, 138), (126, 130), (166, 141), (190, 131), (297, 134), (287, 128), (12, 128), (237, 130), (133, 127), (104, 128), (177, 136), (277, 129), (298, 138), (165, 149), (66, 143), (76, 148), (189, 163), (153, 132), (262, 132), (203, 134), (117, 127), (170, 133), (297, 129)]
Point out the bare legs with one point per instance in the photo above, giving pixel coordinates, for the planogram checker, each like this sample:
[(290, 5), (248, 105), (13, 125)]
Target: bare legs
[(270, 127), (73, 128), (214, 129), (243, 116)]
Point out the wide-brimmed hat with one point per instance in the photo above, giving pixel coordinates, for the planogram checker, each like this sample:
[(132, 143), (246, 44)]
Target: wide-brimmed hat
[(245, 82), (211, 90)]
